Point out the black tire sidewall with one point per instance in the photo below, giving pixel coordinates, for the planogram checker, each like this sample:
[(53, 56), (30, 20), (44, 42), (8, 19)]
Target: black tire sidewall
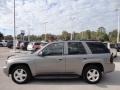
[(26, 70), (85, 74)]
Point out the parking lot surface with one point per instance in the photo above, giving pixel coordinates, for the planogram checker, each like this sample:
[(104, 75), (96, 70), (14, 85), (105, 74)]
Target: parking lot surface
[(110, 81)]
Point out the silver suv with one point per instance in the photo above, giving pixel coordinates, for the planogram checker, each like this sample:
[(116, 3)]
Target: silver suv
[(89, 59)]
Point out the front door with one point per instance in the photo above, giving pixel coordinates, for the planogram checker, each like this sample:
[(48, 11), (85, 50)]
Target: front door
[(52, 60)]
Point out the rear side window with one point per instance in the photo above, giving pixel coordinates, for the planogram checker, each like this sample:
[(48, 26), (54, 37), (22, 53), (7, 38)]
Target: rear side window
[(112, 45), (75, 48), (97, 47)]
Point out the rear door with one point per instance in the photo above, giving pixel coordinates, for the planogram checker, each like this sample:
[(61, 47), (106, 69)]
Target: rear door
[(76, 54)]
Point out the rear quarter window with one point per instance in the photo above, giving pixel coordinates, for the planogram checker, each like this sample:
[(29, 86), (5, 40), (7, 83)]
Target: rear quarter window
[(97, 47)]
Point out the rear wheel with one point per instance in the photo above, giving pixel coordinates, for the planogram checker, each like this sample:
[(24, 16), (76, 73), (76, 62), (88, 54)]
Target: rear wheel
[(21, 74), (92, 74)]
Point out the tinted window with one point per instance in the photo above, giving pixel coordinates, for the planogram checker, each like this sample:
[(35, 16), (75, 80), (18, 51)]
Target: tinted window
[(118, 44), (54, 49), (105, 44), (75, 48), (112, 45), (97, 47)]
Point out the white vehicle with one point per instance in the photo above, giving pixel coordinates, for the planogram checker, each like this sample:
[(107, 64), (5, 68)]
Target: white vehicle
[(30, 46), (35, 45), (112, 48), (3, 43)]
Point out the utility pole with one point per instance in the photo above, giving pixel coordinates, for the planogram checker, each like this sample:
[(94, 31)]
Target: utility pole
[(118, 20)]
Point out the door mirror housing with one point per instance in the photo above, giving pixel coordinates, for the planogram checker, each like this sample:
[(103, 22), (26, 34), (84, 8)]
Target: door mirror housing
[(41, 54)]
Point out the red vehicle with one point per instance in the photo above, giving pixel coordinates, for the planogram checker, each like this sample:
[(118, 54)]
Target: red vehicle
[(36, 46)]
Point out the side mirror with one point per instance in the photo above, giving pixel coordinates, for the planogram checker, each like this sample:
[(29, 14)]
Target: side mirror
[(41, 54)]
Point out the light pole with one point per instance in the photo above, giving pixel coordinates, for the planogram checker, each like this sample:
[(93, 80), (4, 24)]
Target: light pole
[(72, 19), (45, 24), (118, 20), (29, 33), (14, 28)]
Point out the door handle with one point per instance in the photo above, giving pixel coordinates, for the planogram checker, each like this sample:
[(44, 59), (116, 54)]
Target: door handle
[(60, 59), (84, 58)]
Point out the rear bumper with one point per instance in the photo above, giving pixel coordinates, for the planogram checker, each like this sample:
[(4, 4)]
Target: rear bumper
[(109, 67)]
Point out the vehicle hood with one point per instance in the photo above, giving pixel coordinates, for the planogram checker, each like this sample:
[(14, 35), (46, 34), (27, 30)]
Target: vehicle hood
[(21, 57)]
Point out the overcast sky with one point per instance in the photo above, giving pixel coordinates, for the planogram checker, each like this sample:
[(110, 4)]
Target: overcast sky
[(69, 15)]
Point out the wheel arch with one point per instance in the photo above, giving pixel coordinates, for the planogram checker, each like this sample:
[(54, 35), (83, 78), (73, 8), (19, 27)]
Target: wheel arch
[(99, 65), (18, 64)]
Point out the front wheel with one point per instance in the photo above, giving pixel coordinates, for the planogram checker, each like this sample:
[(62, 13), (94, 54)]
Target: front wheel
[(21, 74), (92, 74)]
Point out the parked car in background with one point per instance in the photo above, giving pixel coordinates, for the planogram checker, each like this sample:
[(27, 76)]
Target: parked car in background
[(89, 59), (112, 48), (30, 46), (34, 46), (10, 44), (43, 44), (3, 43), (23, 45), (18, 44), (117, 46)]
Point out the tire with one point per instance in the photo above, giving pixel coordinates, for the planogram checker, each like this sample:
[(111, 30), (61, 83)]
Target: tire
[(89, 74), (1, 45), (21, 74)]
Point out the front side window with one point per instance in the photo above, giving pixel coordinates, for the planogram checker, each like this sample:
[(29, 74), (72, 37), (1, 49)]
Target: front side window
[(97, 47), (54, 49), (75, 48)]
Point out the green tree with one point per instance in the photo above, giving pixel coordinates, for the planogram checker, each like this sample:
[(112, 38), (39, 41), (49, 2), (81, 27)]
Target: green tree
[(102, 35), (77, 36), (88, 35), (113, 36), (93, 35), (65, 35), (8, 37)]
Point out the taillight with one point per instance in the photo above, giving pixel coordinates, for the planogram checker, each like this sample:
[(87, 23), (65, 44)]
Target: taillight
[(111, 58)]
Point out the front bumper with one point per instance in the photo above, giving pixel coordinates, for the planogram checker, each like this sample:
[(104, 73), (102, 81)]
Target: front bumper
[(6, 71)]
